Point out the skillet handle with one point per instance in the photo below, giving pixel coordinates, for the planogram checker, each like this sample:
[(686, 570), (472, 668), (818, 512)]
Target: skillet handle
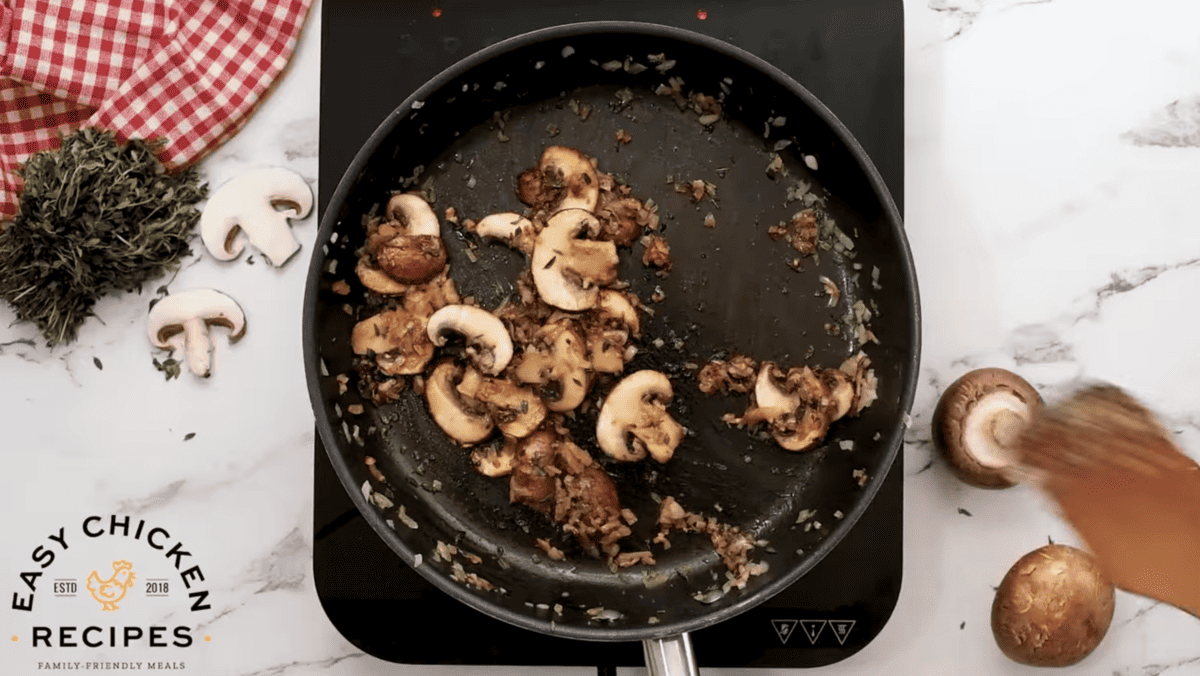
[(670, 656)]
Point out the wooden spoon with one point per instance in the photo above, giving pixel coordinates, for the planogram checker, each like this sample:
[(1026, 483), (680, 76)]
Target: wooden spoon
[(1130, 492)]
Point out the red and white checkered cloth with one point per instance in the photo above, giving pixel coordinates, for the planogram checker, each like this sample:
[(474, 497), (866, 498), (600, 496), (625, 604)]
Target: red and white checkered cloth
[(187, 71)]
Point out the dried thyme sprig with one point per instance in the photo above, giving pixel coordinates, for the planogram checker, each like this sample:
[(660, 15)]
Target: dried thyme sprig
[(95, 217)]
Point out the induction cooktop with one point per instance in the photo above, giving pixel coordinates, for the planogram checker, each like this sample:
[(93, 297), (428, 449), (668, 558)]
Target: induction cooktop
[(849, 53)]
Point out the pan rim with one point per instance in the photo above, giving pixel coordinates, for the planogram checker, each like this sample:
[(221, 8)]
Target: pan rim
[(892, 442)]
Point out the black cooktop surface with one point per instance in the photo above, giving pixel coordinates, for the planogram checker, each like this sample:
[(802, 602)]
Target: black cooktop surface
[(374, 54)]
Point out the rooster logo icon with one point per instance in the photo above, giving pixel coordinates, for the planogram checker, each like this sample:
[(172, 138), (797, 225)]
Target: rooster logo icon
[(108, 592)]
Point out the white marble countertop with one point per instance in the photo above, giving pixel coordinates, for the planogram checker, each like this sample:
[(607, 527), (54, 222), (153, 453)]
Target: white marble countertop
[(1052, 153)]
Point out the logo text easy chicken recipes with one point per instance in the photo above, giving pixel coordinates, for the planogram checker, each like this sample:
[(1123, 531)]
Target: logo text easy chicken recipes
[(152, 565)]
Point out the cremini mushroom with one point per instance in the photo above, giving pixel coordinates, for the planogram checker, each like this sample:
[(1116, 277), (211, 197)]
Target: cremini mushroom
[(180, 321), (496, 460), (1053, 607), (398, 340), (508, 227), (568, 271), (610, 328), (517, 411), (637, 406), (797, 406), (556, 360), (247, 208), (977, 421), (488, 342), (408, 245), (464, 421), (564, 179)]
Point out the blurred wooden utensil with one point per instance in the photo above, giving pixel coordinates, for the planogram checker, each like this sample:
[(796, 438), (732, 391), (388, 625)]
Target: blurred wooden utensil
[(1130, 492)]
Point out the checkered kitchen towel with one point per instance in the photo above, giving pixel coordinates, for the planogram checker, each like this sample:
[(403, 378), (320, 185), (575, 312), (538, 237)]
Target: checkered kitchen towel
[(188, 71)]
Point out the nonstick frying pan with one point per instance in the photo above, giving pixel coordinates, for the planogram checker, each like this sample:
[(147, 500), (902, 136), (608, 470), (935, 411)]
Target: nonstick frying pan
[(463, 138)]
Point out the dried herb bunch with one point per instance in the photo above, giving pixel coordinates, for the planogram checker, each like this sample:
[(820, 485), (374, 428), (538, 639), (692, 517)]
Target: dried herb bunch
[(95, 217)]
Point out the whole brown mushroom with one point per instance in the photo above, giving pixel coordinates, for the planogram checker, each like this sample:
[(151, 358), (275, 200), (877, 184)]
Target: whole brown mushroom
[(1053, 607), (977, 420)]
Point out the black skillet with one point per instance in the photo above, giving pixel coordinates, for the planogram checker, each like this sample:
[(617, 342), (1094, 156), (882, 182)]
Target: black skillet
[(463, 138)]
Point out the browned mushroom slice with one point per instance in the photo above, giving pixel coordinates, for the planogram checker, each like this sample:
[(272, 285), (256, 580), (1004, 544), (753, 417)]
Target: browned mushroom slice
[(557, 362), (637, 407), (517, 411), (566, 270), (464, 421), (397, 338), (609, 332)]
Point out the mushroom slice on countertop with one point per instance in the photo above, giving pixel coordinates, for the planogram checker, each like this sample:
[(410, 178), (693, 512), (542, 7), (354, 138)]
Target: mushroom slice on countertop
[(637, 406), (464, 421), (977, 421), (181, 320), (489, 344), (245, 208), (566, 270)]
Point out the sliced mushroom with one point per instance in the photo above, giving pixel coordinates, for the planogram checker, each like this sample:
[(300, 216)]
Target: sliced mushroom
[(841, 392), (377, 280), (463, 422), (408, 246), (496, 461), (533, 482), (246, 208), (517, 411), (808, 428), (560, 362), (637, 406), (608, 338), (398, 340), (571, 170), (511, 228), (180, 321), (488, 341), (796, 411), (566, 271)]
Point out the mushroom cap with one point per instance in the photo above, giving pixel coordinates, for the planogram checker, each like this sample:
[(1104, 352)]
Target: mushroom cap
[(483, 331), (168, 316), (1053, 607), (637, 406), (412, 259), (976, 418), (247, 205), (449, 410)]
